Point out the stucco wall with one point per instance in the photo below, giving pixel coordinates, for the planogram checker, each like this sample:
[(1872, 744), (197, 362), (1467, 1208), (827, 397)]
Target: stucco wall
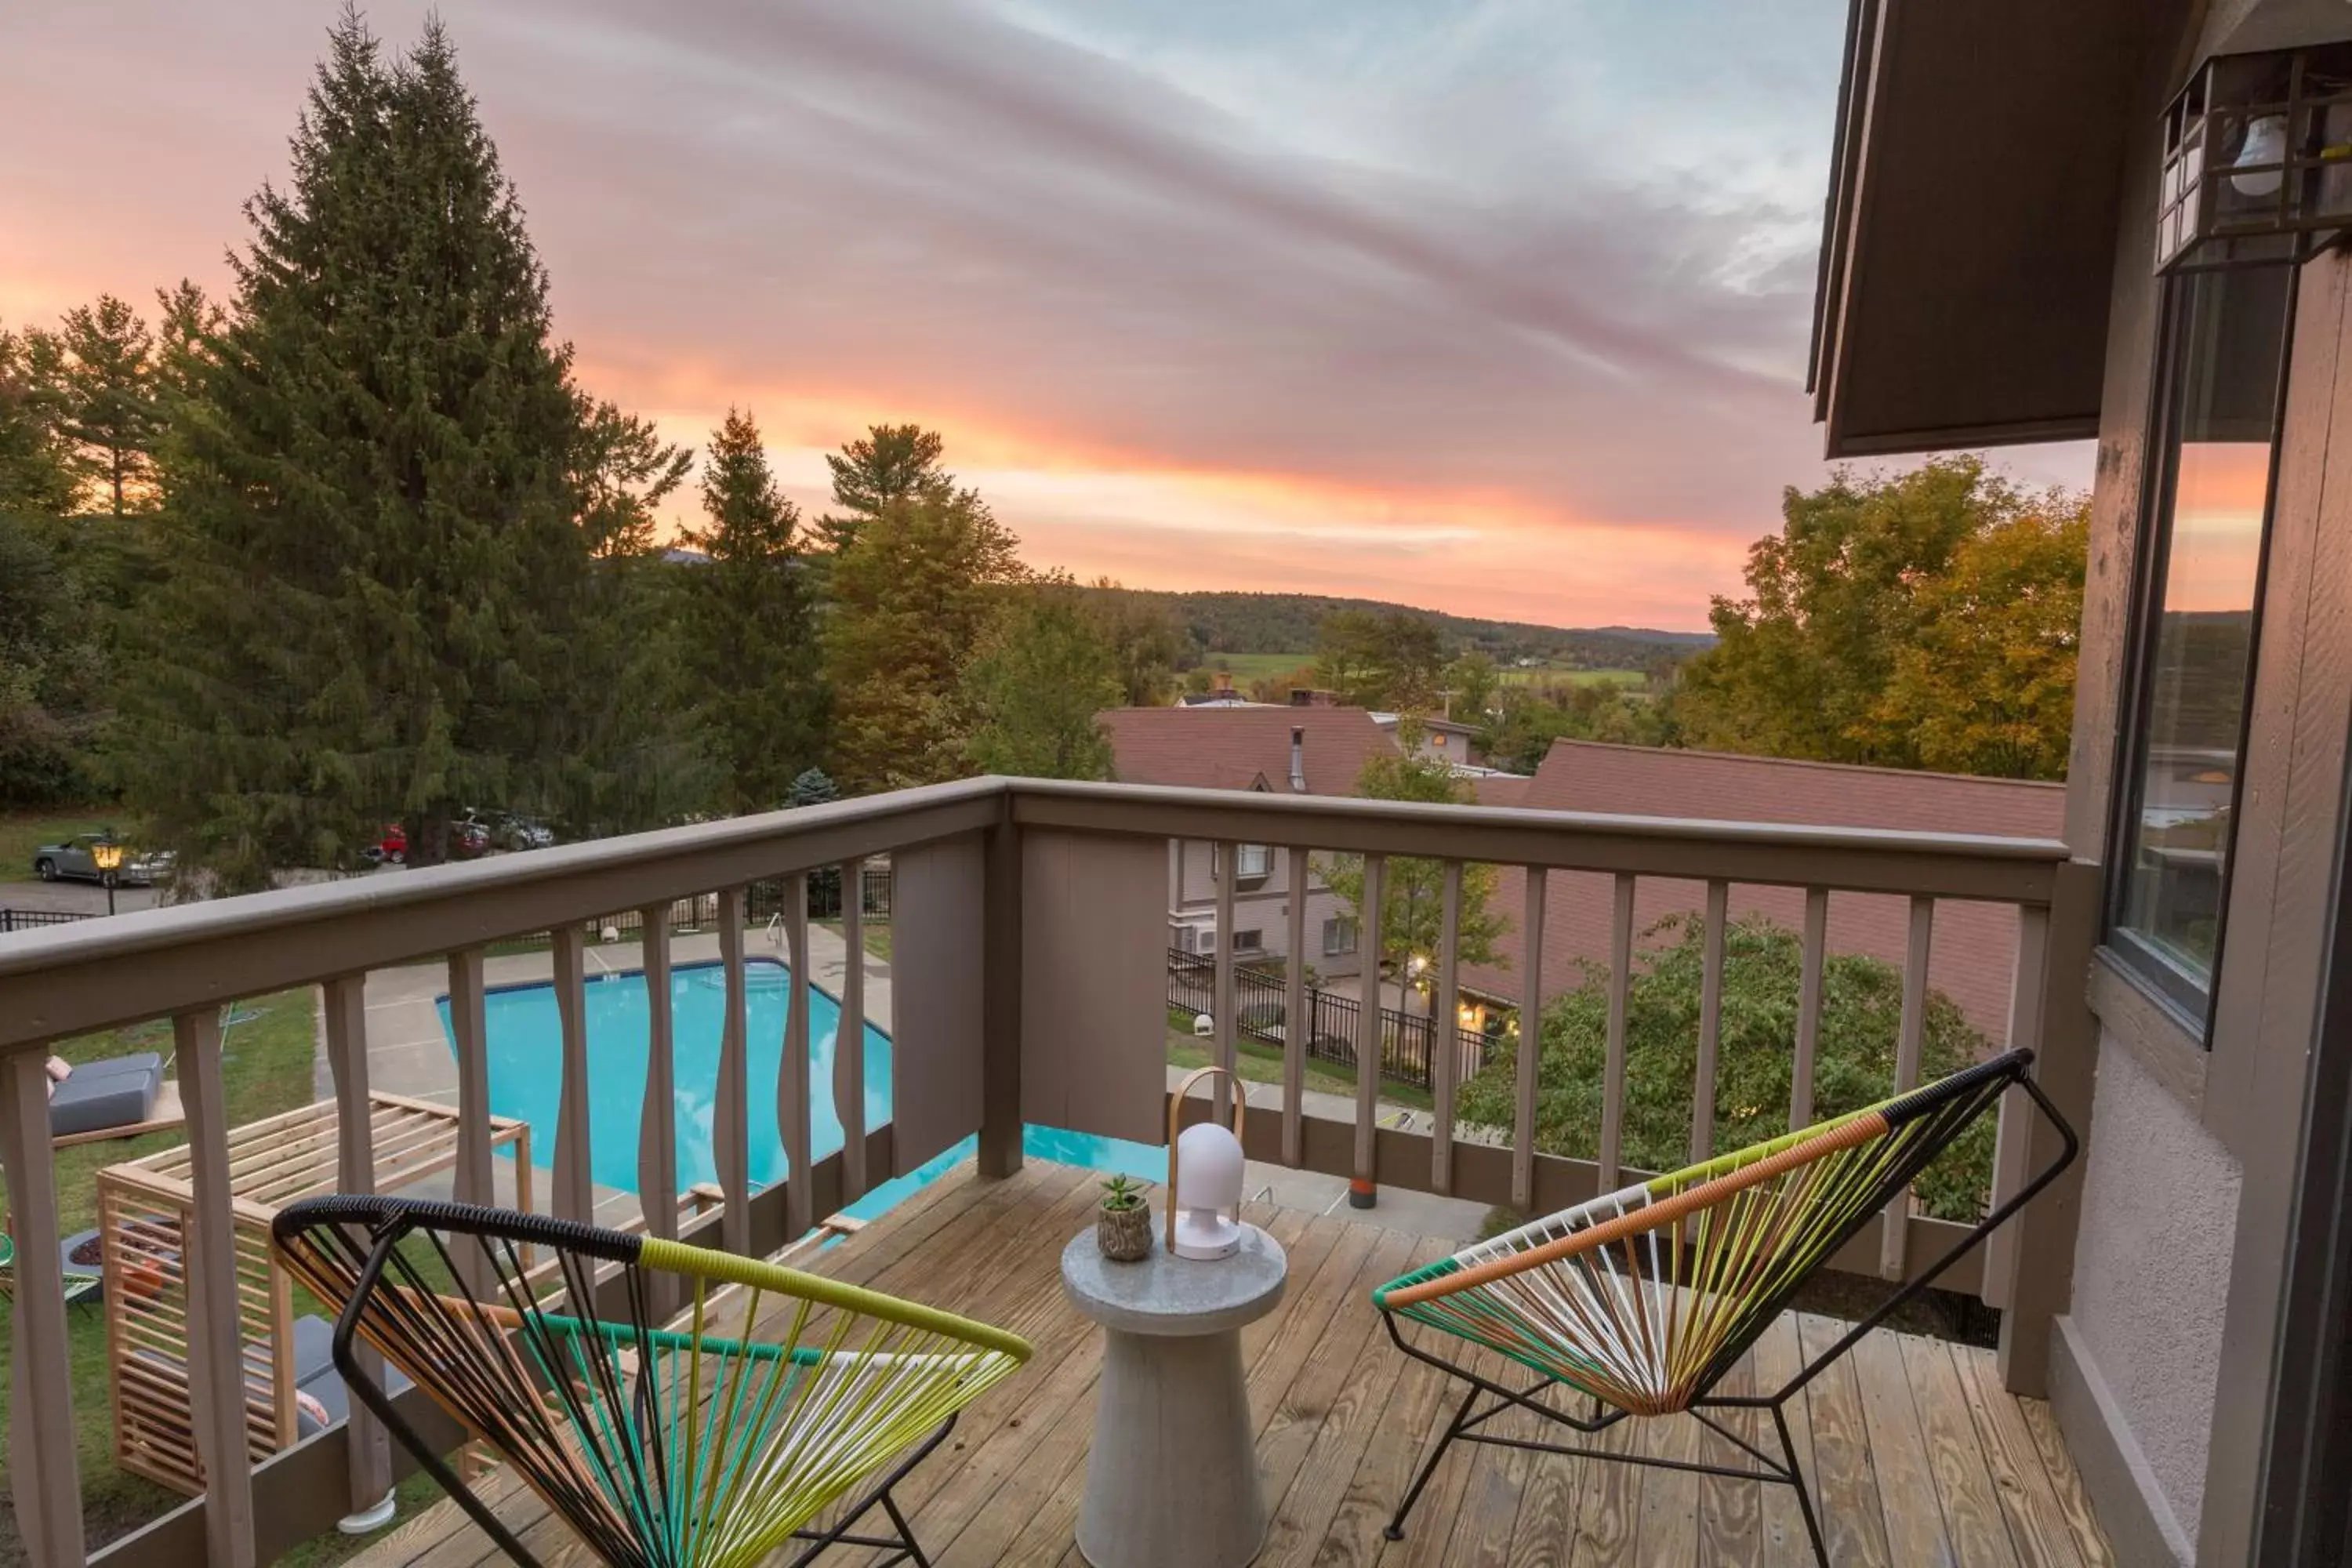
[(2152, 1273)]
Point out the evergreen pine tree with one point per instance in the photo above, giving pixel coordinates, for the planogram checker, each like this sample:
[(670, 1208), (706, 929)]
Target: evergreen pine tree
[(384, 503), (36, 465), (108, 384), (889, 463), (750, 637), (813, 787)]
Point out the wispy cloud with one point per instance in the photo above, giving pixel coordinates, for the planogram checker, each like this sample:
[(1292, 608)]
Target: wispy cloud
[(1468, 304)]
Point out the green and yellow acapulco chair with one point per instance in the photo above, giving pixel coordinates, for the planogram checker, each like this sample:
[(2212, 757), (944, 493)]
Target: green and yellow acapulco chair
[(1639, 1302), (663, 1444)]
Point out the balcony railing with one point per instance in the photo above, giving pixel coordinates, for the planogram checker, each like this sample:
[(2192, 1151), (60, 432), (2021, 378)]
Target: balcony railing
[(1028, 983)]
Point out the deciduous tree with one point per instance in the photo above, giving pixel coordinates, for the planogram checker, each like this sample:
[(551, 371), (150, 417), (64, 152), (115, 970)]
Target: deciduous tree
[(912, 595), (1042, 676), (1413, 891), (1857, 576), (1861, 1014)]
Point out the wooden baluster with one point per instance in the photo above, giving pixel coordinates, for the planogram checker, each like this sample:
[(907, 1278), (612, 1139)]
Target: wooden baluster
[(367, 1446), (1612, 1066), (1445, 1032), (215, 1353), (792, 1080), (45, 1481), (1909, 1047), (1530, 1051), (1298, 1026), (2026, 998), (849, 1039), (658, 1121), (1225, 858), (474, 1180), (1367, 1021), (1710, 1021), (1809, 1008), (730, 1133), (575, 1183)]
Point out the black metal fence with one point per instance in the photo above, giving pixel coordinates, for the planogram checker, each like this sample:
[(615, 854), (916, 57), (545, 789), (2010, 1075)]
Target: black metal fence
[(33, 920), (1261, 998)]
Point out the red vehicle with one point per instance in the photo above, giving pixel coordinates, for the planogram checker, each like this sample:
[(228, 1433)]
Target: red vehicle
[(467, 839)]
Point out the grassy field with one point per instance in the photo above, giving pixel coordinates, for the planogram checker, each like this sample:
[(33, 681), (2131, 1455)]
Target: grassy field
[(1548, 677), (1249, 667), (22, 831)]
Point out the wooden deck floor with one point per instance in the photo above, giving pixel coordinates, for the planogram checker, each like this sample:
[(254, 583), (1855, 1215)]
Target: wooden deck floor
[(1920, 1457)]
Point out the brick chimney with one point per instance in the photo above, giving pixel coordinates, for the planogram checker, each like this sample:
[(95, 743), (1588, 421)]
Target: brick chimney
[(1221, 681), (1298, 759)]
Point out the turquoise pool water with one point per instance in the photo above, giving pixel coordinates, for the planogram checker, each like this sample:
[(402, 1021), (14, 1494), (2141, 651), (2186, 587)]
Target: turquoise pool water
[(526, 1045)]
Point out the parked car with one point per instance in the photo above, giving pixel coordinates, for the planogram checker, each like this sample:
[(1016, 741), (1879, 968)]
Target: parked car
[(468, 839), (74, 859), (512, 829)]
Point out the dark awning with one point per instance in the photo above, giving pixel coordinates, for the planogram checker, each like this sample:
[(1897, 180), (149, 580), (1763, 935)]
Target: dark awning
[(1968, 249)]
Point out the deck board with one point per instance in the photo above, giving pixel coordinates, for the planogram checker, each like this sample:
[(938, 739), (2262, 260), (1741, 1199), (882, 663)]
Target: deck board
[(1908, 1440)]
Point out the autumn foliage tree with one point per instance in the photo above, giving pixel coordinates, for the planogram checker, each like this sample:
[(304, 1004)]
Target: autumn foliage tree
[(1922, 619)]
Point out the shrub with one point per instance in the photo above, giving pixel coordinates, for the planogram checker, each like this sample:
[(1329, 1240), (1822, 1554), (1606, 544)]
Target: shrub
[(1861, 1011)]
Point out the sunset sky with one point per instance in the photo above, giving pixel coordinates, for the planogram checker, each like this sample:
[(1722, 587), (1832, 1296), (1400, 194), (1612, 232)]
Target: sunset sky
[(1492, 306)]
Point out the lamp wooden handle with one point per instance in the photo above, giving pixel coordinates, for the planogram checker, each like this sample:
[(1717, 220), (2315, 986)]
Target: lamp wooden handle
[(1175, 1110)]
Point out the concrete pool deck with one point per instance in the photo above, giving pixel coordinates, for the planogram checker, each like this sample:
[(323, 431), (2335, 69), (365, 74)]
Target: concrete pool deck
[(408, 1054)]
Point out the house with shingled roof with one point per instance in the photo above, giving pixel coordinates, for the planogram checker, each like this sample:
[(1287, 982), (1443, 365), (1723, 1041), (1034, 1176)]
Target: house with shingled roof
[(1304, 750)]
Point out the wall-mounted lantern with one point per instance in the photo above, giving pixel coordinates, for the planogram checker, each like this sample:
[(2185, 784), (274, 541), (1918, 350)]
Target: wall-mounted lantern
[(2258, 147)]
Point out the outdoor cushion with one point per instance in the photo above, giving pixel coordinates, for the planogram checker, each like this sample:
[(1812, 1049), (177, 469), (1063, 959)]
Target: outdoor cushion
[(315, 1376), (100, 1095)]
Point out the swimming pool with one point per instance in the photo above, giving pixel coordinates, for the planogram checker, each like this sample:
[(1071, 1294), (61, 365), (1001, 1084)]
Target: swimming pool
[(525, 1038)]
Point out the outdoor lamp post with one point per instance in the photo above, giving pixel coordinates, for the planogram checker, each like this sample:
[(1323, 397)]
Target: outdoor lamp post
[(107, 853), (2257, 166)]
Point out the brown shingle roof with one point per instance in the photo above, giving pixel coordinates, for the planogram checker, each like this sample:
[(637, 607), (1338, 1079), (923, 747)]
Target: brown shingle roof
[(1234, 747), (1974, 944)]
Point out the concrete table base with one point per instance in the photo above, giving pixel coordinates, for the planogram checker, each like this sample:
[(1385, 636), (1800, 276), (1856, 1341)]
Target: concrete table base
[(1171, 1477)]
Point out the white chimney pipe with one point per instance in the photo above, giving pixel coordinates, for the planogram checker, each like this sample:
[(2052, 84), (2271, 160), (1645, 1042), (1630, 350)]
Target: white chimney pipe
[(1298, 759)]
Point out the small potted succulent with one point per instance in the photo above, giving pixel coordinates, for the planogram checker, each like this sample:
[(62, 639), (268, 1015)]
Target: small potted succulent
[(1123, 1224)]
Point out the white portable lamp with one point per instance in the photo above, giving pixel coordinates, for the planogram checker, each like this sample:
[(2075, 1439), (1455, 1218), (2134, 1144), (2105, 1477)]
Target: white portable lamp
[(1205, 1178)]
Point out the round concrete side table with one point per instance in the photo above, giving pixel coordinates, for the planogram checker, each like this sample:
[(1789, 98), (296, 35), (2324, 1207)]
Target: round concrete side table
[(1171, 1480)]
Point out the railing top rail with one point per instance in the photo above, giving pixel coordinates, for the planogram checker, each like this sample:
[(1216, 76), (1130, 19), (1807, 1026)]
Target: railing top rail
[(101, 974), (1858, 859)]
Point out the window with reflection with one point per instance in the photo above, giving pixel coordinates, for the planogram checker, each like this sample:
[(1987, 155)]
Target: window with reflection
[(2217, 423)]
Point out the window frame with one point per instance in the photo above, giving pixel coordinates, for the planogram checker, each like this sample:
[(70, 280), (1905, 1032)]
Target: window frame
[(2162, 977), (1342, 923)]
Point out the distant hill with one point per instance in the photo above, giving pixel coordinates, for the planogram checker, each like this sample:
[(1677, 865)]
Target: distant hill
[(1285, 623)]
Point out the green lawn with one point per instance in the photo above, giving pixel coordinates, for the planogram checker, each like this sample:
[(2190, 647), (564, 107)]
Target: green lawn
[(1261, 1063), (1248, 666), (878, 937), (23, 831), (266, 1068)]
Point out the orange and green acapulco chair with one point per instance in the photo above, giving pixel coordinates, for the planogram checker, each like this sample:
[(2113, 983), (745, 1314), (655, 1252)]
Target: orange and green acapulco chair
[(1638, 1302)]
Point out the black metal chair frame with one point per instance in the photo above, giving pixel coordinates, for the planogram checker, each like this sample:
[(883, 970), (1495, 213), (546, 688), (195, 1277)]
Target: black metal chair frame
[(1783, 1469)]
